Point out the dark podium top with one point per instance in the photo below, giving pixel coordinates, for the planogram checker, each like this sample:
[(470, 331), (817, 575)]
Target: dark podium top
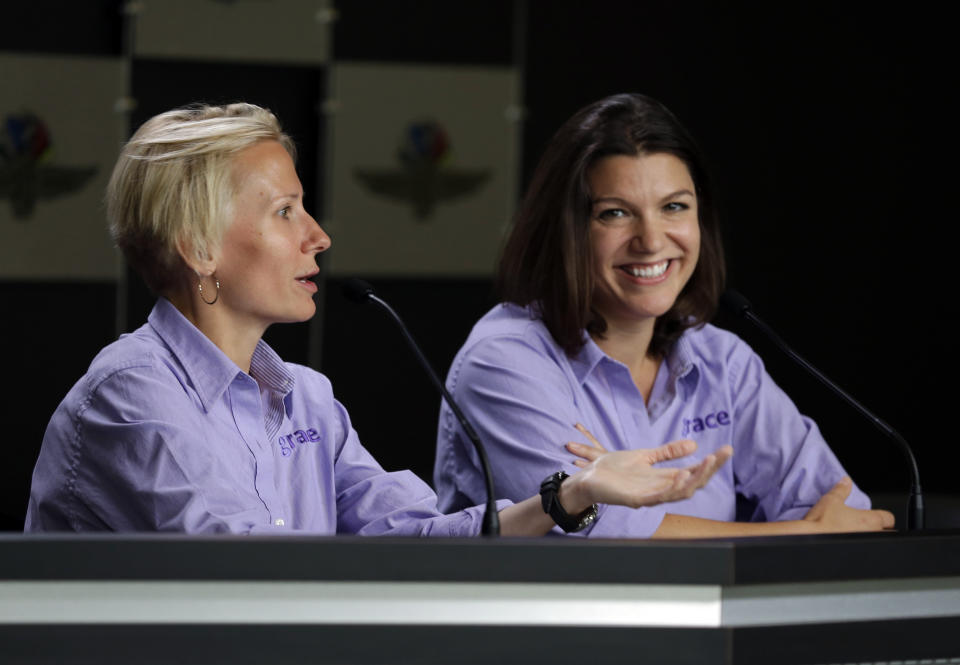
[(226, 599)]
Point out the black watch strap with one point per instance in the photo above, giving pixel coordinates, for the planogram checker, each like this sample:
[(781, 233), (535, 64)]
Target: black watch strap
[(551, 505)]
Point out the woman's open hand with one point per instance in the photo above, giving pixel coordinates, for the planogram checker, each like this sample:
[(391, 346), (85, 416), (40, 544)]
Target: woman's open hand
[(628, 477)]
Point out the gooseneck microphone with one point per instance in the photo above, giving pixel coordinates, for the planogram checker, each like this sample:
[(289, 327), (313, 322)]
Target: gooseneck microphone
[(359, 291), (736, 303)]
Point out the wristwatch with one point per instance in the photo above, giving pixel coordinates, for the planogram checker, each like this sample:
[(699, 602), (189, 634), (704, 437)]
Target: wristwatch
[(551, 505)]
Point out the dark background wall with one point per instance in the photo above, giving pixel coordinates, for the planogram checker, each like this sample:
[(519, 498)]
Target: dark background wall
[(827, 127)]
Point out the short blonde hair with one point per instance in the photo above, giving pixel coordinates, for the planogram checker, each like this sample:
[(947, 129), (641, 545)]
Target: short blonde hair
[(173, 183)]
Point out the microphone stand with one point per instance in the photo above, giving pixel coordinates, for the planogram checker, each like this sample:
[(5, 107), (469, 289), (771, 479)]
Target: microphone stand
[(738, 304), (360, 291)]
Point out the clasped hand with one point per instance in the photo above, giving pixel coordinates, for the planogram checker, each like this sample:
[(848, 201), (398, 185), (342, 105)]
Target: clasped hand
[(832, 515)]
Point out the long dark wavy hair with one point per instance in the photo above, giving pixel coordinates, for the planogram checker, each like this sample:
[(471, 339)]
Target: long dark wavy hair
[(546, 261)]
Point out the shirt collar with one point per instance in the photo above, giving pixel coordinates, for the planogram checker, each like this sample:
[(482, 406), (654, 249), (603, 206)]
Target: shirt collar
[(271, 372), (587, 359), (684, 366), (681, 362), (209, 369)]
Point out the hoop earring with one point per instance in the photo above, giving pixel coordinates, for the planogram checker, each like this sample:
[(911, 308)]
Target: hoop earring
[(200, 289)]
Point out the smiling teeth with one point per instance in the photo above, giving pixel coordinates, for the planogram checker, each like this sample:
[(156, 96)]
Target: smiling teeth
[(652, 271)]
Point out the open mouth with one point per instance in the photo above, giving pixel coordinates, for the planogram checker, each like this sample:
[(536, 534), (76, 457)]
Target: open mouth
[(646, 270), (307, 280)]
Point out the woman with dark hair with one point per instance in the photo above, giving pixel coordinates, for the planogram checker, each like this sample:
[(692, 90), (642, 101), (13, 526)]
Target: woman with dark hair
[(610, 273)]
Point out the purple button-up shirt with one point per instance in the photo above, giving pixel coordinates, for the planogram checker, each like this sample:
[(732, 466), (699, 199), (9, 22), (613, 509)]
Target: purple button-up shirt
[(165, 433), (523, 394)]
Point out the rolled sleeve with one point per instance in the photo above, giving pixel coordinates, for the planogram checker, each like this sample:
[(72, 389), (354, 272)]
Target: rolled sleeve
[(783, 465)]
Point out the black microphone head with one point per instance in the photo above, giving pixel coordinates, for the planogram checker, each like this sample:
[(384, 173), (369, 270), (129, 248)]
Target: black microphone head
[(357, 290), (735, 302)]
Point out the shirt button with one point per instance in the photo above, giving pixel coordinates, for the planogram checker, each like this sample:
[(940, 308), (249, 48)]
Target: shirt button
[(279, 521)]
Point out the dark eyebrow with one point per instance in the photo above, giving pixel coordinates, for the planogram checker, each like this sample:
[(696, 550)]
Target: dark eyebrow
[(610, 199), (626, 204)]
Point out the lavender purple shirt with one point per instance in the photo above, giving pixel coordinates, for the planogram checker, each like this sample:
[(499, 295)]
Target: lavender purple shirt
[(523, 394), (165, 433)]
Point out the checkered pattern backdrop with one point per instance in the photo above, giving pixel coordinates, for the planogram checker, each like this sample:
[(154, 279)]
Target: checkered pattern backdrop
[(417, 124)]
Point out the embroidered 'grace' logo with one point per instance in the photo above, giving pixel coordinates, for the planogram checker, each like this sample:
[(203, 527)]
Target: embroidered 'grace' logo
[(288, 442), (710, 421)]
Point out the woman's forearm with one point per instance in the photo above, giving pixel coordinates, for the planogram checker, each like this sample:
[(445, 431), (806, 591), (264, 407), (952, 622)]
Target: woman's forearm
[(527, 517), (685, 526)]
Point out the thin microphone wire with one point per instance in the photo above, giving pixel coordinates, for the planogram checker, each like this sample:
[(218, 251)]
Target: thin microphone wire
[(359, 291), (738, 304)]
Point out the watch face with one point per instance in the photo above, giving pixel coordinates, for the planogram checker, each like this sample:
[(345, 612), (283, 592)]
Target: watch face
[(588, 517), (551, 505)]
